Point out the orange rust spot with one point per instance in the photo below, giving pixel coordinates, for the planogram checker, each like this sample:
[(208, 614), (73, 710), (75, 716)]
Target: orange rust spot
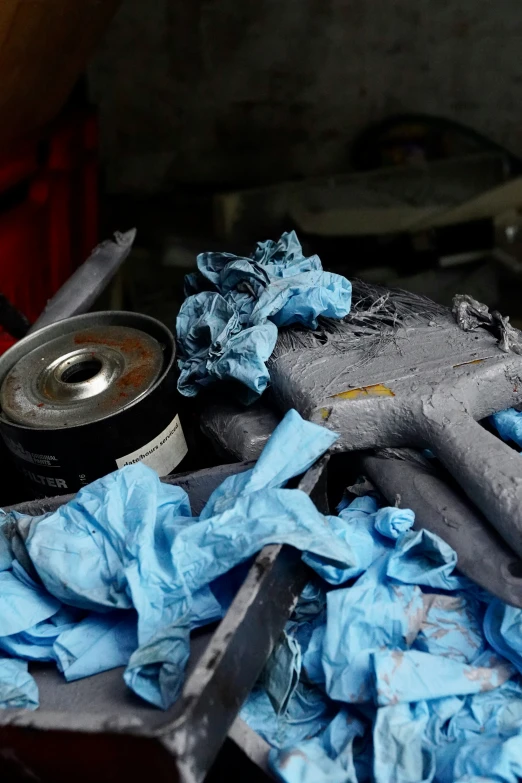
[(99, 339), (134, 379), (138, 375), (126, 344)]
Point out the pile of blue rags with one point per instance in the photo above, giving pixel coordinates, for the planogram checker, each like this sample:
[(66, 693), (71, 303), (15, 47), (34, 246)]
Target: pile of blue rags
[(393, 667)]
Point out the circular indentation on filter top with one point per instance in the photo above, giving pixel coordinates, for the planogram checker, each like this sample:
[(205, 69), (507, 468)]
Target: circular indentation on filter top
[(80, 371)]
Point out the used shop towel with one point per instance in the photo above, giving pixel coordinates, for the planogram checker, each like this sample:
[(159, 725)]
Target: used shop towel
[(509, 425), (227, 328), (393, 667), (126, 572), (411, 673)]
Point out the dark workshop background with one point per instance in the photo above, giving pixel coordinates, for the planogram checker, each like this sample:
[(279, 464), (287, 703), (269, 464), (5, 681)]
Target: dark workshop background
[(200, 91), (212, 125), (197, 97)]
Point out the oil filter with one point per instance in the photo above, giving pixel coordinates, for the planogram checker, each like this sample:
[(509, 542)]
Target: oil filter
[(90, 394)]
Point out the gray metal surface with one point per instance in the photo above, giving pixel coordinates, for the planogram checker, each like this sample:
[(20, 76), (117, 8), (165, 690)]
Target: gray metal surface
[(237, 431), (77, 377), (84, 286), (96, 729), (420, 381), (413, 482), (251, 743)]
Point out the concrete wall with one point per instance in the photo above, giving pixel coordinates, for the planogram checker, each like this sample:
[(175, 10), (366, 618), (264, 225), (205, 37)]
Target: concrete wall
[(257, 90)]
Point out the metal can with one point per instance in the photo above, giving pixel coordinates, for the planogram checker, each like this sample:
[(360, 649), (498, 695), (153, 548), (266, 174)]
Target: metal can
[(90, 394)]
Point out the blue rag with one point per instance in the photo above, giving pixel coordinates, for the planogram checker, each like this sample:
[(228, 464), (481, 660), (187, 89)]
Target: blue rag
[(126, 572), (17, 687), (392, 667), (229, 332), (414, 671), (509, 425)]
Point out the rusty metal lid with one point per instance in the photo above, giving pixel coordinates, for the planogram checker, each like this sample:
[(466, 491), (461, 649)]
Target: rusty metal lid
[(82, 376)]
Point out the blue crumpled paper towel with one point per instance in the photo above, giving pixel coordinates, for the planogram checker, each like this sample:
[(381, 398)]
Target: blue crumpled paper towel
[(17, 687), (229, 332), (425, 666), (307, 715), (411, 676), (325, 760), (452, 627), (392, 666), (509, 425), (282, 671), (129, 572)]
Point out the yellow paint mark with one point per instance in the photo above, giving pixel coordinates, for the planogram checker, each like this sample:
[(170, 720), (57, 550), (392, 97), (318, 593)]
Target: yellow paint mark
[(325, 413), (377, 390), (463, 364)]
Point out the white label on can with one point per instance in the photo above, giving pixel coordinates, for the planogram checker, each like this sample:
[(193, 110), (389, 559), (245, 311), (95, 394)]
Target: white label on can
[(161, 454)]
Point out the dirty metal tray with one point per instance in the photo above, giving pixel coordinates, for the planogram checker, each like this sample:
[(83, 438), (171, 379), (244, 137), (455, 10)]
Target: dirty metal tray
[(95, 729)]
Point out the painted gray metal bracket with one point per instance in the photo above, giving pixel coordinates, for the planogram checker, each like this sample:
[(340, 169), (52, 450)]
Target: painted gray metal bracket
[(406, 477)]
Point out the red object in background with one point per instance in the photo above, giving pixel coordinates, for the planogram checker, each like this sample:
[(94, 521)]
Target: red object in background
[(48, 211)]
